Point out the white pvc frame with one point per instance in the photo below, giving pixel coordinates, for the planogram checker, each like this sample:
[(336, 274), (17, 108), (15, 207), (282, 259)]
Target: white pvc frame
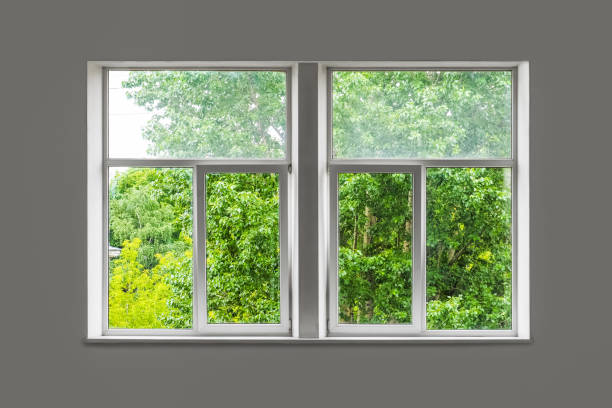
[(288, 330), (98, 165), (336, 328), (328, 222)]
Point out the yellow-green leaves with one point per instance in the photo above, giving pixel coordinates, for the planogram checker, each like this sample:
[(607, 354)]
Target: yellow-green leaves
[(137, 296)]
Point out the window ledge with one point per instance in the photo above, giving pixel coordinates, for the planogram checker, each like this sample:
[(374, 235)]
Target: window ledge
[(298, 340)]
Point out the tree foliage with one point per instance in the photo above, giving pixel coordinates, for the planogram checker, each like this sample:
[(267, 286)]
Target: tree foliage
[(142, 298), (403, 114), (376, 114), (219, 114), (242, 248), (153, 205), (375, 248), (150, 217), (469, 249)]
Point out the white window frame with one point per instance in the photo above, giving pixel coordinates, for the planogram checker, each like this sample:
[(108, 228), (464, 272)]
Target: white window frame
[(328, 220), (98, 164), (303, 303)]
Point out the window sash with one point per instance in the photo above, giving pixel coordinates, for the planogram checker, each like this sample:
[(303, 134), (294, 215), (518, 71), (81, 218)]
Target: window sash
[(342, 329)]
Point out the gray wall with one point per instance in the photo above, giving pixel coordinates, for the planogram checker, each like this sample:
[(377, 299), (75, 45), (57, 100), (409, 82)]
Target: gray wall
[(43, 49)]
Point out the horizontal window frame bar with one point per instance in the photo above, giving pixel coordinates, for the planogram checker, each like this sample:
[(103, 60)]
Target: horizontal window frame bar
[(419, 65), (114, 339), (374, 330), (238, 330), (245, 329), (433, 68), (406, 163), (410, 165), (184, 163), (221, 68), (185, 65), (399, 330)]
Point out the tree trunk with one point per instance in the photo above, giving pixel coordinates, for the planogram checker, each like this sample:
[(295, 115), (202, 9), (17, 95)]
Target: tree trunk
[(370, 221), (408, 229), (355, 232)]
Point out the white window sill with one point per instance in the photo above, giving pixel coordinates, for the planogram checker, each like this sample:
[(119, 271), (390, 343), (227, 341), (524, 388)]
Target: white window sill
[(297, 340)]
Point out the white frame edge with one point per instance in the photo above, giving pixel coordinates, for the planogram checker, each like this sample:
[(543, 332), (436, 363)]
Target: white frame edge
[(95, 179), (96, 165), (519, 163), (522, 286)]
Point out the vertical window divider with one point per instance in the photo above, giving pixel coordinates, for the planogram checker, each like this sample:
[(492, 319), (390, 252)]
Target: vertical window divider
[(421, 270), (199, 250), (308, 198), (105, 195)]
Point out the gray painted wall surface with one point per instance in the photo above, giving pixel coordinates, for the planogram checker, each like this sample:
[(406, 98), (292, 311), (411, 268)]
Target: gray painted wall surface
[(44, 46)]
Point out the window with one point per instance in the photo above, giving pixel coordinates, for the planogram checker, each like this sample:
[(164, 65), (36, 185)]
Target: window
[(420, 172), (195, 206)]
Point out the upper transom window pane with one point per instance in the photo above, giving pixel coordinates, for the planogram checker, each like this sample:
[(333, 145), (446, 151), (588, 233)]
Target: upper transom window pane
[(197, 114), (422, 114)]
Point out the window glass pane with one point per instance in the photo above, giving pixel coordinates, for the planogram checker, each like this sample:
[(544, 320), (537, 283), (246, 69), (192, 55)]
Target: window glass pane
[(374, 248), (150, 248), (422, 114), (469, 248), (197, 114), (242, 248)]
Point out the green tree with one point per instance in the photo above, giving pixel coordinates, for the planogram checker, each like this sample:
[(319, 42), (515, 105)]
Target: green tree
[(401, 114), (150, 217), (242, 248), (376, 114), (137, 296), (469, 249), (375, 248), (221, 114), (153, 205)]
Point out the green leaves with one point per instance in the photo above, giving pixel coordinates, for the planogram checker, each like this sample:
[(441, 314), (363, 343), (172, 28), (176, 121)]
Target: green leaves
[(153, 205), (375, 241), (150, 218), (425, 114), (220, 114), (242, 248), (469, 248)]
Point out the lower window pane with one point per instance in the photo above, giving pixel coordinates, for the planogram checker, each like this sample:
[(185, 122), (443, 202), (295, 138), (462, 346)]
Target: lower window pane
[(242, 248), (469, 248), (150, 248), (375, 248)]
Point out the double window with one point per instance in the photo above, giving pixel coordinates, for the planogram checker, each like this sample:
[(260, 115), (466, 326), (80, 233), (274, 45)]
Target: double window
[(196, 225)]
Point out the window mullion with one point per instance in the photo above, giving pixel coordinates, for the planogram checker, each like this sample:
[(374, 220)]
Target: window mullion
[(308, 193), (420, 250), (199, 250)]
